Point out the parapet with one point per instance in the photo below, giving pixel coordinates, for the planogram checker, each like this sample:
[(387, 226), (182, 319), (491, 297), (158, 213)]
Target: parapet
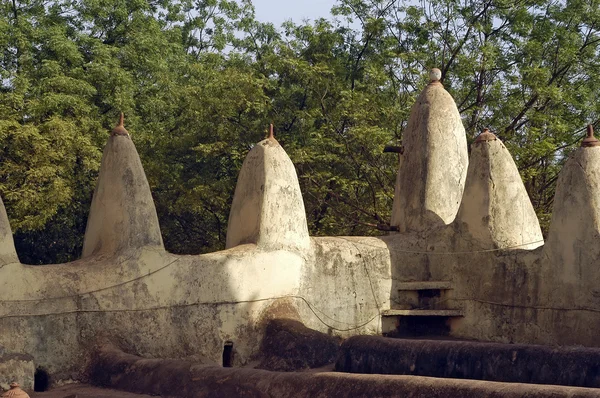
[(122, 215), (496, 210), (267, 208), (433, 165)]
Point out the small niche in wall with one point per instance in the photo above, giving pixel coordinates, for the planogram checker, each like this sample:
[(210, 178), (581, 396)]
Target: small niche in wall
[(41, 380), (228, 354)]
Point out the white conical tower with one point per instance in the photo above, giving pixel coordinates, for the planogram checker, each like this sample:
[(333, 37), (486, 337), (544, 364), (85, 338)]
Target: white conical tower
[(433, 165), (122, 215), (496, 210), (8, 254), (572, 246), (267, 208)]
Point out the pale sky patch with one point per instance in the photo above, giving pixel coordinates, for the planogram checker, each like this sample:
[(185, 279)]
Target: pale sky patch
[(279, 11)]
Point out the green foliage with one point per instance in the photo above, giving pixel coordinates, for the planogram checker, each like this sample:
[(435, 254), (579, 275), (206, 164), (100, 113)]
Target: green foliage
[(199, 82)]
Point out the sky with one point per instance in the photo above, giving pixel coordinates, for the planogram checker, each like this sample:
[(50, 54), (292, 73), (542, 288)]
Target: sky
[(279, 11)]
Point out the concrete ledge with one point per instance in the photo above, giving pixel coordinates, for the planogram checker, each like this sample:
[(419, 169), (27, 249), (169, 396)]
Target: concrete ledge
[(569, 366), (113, 368)]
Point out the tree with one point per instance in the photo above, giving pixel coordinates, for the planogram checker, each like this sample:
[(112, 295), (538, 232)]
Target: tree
[(199, 82), (525, 70), (48, 156)]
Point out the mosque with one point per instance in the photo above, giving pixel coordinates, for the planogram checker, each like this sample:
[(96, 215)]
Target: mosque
[(464, 298)]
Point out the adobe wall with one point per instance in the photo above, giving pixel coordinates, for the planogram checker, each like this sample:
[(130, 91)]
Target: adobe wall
[(156, 304), (451, 359), (113, 368)]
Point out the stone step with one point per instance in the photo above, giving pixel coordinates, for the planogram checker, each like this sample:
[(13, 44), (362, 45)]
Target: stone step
[(424, 285), (423, 313)]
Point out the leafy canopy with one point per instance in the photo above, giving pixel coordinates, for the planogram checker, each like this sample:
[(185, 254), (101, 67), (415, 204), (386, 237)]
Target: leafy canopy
[(199, 82)]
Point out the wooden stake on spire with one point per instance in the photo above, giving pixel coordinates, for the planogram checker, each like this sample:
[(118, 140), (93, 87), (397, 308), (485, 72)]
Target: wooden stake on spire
[(271, 135), (590, 140), (120, 128)]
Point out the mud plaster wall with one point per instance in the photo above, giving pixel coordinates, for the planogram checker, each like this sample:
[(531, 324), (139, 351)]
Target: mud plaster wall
[(185, 306), (155, 304)]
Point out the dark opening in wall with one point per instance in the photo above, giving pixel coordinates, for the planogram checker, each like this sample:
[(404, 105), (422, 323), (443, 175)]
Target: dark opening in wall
[(41, 380), (228, 354), (420, 326), (428, 298)]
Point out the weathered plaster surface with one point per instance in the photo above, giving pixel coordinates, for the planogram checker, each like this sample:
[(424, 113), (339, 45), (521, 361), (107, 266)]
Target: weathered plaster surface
[(428, 191), (127, 288), (514, 363), (155, 303), (112, 367), (16, 367), (267, 208), (496, 209), (8, 253), (122, 213), (347, 281), (572, 251)]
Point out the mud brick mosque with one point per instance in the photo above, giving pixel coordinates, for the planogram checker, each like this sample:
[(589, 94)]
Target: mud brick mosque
[(465, 299)]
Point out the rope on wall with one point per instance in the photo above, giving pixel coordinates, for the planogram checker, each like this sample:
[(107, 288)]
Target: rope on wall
[(310, 306), (364, 262), (76, 295), (442, 253)]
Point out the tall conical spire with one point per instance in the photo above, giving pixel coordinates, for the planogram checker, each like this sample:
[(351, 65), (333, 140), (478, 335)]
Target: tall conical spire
[(122, 215), (496, 210), (267, 207), (572, 245), (433, 165), (8, 253)]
